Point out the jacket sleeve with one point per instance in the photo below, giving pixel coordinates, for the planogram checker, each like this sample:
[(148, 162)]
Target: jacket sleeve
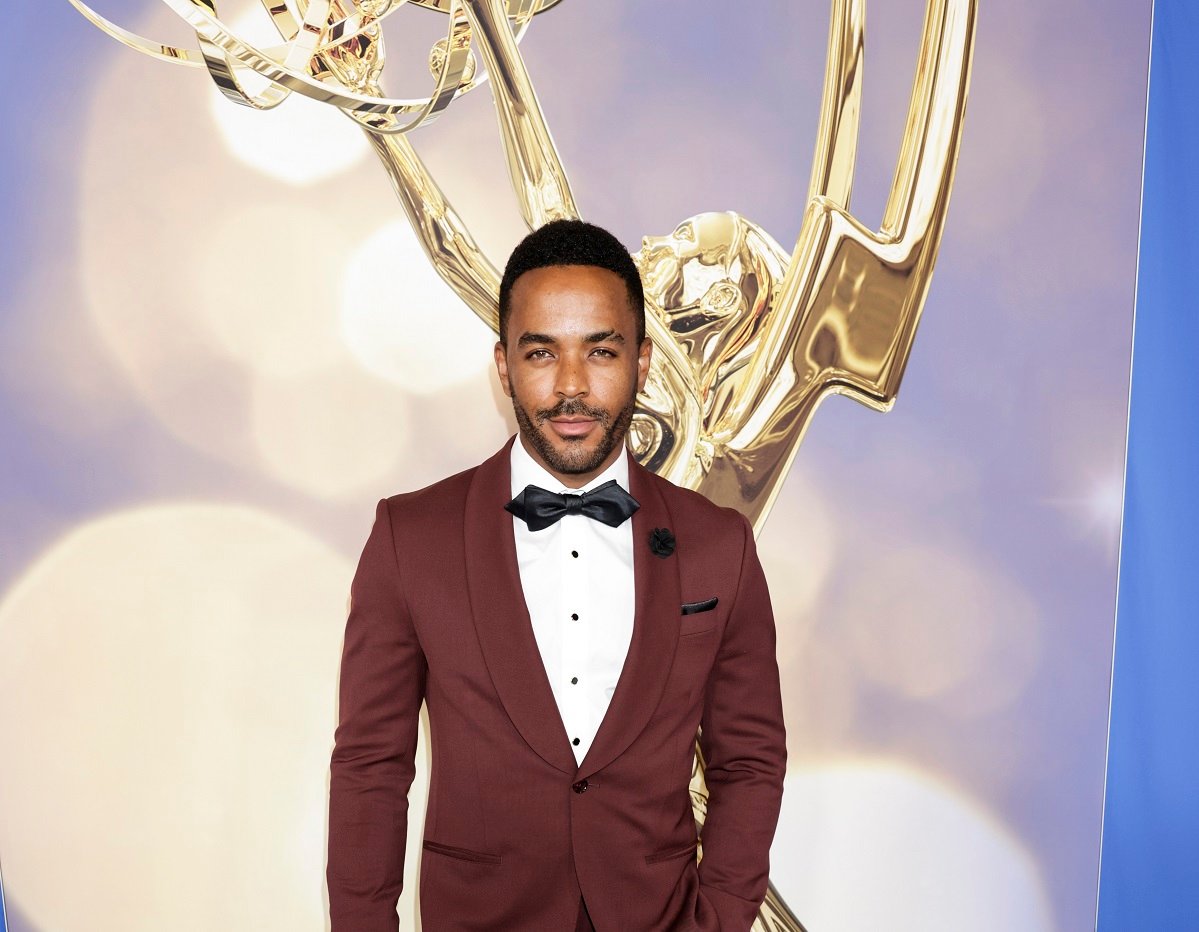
[(382, 685), (745, 753)]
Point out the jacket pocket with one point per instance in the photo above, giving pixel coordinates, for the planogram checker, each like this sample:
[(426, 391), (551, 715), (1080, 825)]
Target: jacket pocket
[(462, 854), (701, 623), (670, 854)]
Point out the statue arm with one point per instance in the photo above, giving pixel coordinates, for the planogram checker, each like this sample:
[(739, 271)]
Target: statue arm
[(845, 317), (441, 232), (840, 105), (538, 178), (537, 175), (850, 301)]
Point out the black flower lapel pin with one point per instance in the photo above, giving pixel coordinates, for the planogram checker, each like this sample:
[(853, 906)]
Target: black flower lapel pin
[(661, 542)]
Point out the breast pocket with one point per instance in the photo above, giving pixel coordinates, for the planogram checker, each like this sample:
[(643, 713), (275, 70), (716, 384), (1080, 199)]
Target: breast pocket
[(698, 618), (692, 627)]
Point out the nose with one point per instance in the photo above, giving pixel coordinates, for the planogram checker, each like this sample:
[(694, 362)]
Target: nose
[(571, 377)]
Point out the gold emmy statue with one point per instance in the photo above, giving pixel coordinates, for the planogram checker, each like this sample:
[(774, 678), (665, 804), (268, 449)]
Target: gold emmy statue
[(747, 340)]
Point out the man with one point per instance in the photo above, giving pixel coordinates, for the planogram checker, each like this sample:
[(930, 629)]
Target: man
[(567, 646)]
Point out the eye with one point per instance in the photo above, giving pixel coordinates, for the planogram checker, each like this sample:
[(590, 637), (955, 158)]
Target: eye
[(602, 351), (538, 354)]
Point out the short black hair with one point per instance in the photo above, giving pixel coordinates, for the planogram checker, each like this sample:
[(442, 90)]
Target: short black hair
[(572, 242)]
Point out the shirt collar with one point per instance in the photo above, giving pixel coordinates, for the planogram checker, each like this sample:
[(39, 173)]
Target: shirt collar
[(527, 471)]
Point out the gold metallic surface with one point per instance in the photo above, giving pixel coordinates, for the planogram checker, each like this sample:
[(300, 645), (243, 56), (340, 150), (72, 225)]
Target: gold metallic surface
[(748, 340), (740, 368), (349, 30), (770, 337)]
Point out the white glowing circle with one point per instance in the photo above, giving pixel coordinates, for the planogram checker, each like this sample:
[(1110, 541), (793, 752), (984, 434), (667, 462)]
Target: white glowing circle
[(264, 288), (204, 279), (798, 548), (300, 141), (939, 624), (167, 706), (403, 322), (193, 295), (868, 845), (332, 433)]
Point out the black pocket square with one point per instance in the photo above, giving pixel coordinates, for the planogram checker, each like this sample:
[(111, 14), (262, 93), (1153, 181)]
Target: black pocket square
[(691, 608)]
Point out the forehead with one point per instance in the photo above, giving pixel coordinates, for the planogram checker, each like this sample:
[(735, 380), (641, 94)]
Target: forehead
[(564, 296)]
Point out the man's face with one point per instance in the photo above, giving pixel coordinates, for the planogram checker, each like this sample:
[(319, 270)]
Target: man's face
[(572, 367)]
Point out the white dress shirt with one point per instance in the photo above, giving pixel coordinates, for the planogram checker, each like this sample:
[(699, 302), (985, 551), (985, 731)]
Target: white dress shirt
[(577, 577)]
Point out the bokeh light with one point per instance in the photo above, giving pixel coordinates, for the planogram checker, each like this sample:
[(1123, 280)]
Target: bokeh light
[(197, 226), (899, 850), (167, 703), (402, 321), (263, 288), (938, 624), (798, 548), (300, 141), (335, 433)]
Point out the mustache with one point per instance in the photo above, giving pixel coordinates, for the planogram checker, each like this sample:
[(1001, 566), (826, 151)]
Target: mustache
[(572, 408)]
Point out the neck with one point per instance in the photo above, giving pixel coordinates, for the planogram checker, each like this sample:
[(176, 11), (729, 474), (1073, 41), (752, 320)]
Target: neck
[(571, 480)]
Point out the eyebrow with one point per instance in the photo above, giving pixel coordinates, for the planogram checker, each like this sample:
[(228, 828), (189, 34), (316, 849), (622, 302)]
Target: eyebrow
[(603, 336), (527, 338)]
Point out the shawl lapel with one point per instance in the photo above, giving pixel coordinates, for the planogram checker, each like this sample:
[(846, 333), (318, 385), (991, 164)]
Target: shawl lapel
[(501, 616), (655, 629)]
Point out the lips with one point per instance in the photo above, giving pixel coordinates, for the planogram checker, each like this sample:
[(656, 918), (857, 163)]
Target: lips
[(572, 427)]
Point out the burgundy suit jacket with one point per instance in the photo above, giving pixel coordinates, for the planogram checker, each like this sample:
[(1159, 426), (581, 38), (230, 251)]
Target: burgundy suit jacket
[(515, 832)]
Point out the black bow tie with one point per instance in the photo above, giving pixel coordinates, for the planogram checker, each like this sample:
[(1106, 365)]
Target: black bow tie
[(539, 509)]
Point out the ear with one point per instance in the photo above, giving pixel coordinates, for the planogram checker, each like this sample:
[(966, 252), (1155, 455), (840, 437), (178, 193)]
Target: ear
[(644, 354), (501, 367)]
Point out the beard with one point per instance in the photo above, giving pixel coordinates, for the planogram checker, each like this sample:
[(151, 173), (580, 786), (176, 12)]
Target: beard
[(576, 458)]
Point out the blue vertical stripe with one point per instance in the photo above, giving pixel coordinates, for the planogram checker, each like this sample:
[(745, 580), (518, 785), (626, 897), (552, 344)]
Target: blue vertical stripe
[(1149, 876)]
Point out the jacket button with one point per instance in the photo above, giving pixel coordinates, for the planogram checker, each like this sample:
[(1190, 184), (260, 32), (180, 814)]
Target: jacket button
[(580, 787)]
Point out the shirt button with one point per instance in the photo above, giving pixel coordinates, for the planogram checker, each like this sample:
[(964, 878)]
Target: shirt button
[(575, 742), (580, 787), (574, 616), (575, 554), (574, 681)]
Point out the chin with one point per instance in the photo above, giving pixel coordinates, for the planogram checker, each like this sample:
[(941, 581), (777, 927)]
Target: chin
[(574, 458), (569, 457)]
